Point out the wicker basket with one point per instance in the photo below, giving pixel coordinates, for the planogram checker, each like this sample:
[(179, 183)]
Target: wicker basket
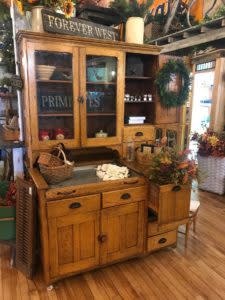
[(57, 174), (143, 158), (212, 174), (50, 160)]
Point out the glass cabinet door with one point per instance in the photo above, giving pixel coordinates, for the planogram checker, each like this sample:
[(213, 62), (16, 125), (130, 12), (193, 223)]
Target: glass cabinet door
[(102, 99), (54, 86)]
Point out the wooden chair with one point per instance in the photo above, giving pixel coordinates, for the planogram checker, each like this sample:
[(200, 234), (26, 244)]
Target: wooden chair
[(193, 212)]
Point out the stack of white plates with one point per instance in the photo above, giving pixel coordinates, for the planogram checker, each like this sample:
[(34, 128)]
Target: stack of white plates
[(44, 72)]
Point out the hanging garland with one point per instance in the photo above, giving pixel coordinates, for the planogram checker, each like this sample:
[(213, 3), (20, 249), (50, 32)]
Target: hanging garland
[(169, 98)]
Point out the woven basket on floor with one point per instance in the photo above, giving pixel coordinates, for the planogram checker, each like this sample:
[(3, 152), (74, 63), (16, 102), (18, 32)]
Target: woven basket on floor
[(57, 174), (212, 174)]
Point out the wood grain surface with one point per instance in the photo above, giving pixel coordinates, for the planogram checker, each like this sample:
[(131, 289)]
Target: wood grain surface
[(197, 272)]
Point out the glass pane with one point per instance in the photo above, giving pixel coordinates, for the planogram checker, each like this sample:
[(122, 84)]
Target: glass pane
[(101, 89), (54, 95)]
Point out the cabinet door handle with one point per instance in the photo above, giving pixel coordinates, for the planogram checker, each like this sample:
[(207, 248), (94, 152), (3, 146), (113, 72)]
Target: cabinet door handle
[(75, 205), (176, 188), (81, 99), (66, 193), (162, 241), (102, 238), (139, 133), (125, 196)]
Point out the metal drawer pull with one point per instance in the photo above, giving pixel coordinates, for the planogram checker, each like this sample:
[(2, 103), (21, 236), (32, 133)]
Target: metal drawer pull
[(66, 193), (125, 196), (176, 188), (102, 238), (139, 133), (162, 241), (75, 205)]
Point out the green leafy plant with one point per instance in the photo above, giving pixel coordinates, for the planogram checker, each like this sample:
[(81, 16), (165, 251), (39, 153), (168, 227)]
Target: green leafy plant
[(133, 8), (6, 40), (169, 98), (5, 81)]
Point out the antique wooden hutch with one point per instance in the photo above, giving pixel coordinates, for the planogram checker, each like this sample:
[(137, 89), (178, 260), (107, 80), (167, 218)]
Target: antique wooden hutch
[(87, 224)]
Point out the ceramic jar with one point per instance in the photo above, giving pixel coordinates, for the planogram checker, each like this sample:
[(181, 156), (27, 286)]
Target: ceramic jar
[(36, 20), (135, 30)]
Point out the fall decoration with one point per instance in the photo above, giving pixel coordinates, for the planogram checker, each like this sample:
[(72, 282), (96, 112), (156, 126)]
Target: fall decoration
[(67, 7), (170, 98), (172, 166), (210, 143)]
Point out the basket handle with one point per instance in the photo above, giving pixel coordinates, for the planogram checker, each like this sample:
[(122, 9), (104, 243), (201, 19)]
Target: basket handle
[(67, 162)]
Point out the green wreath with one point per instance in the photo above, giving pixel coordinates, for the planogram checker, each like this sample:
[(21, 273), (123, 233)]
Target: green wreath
[(168, 98)]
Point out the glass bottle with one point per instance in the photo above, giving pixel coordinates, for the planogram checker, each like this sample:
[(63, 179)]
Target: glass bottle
[(130, 153)]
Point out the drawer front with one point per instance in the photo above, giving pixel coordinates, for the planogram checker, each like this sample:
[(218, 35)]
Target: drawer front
[(73, 206), (162, 240), (139, 133), (124, 196)]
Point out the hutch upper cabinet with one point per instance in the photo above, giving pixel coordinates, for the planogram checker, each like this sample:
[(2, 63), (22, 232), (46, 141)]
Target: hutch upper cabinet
[(75, 91)]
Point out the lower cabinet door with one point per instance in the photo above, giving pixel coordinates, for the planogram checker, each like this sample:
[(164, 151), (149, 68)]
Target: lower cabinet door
[(122, 231), (73, 243)]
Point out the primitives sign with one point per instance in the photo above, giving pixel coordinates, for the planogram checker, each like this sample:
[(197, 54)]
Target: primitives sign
[(54, 22), (55, 103)]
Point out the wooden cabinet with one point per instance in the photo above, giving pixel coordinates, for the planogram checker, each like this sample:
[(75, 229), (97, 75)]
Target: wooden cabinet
[(72, 91), (73, 243), (122, 231)]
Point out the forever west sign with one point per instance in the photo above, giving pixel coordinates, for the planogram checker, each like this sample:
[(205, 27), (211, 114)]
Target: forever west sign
[(54, 22)]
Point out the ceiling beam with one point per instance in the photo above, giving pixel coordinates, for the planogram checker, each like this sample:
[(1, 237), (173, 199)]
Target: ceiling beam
[(198, 39)]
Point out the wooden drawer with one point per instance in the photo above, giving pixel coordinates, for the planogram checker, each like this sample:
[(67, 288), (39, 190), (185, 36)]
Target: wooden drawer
[(73, 206), (139, 133), (162, 240), (124, 196)]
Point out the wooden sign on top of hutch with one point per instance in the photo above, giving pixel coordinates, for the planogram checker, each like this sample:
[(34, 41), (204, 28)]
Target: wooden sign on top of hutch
[(54, 22)]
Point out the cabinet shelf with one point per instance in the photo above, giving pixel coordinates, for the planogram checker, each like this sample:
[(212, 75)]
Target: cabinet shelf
[(53, 81), (138, 77), (55, 115), (138, 124), (138, 102), (101, 83), (100, 114)]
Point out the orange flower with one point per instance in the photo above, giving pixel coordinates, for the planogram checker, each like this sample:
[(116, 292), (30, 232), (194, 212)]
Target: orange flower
[(68, 9), (183, 165), (33, 1), (19, 5)]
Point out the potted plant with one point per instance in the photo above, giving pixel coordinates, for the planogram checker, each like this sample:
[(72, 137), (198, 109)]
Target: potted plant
[(135, 14), (35, 6), (211, 161), (171, 174)]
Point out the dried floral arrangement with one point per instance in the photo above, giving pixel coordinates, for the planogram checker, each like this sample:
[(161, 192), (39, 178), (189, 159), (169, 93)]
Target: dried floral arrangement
[(210, 143), (67, 7), (171, 166)]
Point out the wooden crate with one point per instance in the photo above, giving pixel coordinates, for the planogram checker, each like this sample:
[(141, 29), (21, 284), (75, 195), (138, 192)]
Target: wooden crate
[(171, 202)]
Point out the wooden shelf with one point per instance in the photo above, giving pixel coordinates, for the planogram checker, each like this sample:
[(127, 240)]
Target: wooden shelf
[(138, 124), (53, 81), (139, 102), (101, 83), (55, 115), (100, 114), (138, 77)]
